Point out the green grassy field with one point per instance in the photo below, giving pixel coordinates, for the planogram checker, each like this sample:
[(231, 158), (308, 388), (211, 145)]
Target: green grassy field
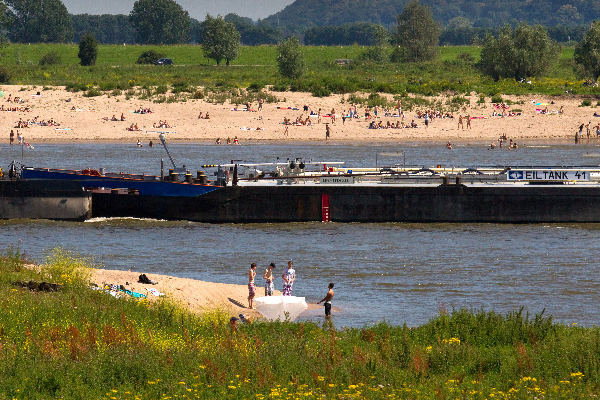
[(78, 343), (453, 72)]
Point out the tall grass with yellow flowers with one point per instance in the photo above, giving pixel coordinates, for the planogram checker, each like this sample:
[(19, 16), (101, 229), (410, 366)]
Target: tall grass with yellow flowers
[(78, 343)]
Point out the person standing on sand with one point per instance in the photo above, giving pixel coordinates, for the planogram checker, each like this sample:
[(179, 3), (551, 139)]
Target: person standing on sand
[(468, 121), (251, 287), (327, 299), (327, 131), (587, 130), (269, 284), (289, 276), (11, 137), (460, 122)]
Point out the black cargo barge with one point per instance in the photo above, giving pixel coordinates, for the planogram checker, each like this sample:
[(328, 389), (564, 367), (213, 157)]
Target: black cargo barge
[(391, 203), (44, 199), (292, 192)]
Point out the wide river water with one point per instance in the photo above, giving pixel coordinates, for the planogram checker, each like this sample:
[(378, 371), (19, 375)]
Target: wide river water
[(398, 272)]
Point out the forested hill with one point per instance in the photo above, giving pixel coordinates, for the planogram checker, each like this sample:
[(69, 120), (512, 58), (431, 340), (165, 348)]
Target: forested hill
[(303, 14)]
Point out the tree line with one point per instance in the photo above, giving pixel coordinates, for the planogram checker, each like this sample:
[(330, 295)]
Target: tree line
[(304, 14), (165, 22), (511, 52), (521, 52)]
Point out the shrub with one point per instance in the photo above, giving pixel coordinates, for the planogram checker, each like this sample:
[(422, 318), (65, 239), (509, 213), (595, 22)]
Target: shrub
[(586, 103), (198, 94), (290, 59), (88, 50), (497, 98), (376, 100), (107, 86), (4, 75), (75, 87), (280, 87), (92, 92), (161, 89), (181, 86), (398, 55), (459, 101), (481, 99), (255, 87), (50, 58), (466, 58), (376, 54), (149, 57), (320, 91)]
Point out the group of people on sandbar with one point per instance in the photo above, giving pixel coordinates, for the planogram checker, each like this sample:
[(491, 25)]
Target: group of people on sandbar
[(288, 277), (512, 145), (588, 131), (228, 141)]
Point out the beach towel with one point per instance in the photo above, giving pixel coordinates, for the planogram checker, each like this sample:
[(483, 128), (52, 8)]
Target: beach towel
[(134, 294)]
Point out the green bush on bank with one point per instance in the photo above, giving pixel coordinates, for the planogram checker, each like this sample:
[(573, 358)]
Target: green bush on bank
[(80, 343)]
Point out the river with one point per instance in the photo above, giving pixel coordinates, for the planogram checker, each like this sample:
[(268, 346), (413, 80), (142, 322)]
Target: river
[(398, 272)]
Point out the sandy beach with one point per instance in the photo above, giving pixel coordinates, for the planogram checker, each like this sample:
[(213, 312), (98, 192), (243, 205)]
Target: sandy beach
[(195, 295), (88, 119)]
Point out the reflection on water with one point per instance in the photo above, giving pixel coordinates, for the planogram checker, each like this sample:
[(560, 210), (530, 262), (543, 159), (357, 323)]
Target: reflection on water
[(397, 272)]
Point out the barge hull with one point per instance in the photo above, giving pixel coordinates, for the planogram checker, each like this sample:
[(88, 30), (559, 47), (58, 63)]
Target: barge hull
[(44, 199), (401, 203)]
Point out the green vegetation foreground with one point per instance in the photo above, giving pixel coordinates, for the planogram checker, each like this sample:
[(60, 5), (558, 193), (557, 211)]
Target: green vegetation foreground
[(80, 343), (116, 69)]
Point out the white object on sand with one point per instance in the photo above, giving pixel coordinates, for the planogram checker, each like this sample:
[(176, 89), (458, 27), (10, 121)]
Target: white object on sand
[(280, 307), (155, 292)]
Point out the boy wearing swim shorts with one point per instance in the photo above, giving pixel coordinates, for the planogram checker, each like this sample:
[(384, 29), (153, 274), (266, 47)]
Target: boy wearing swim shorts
[(269, 283), (327, 299), (251, 287)]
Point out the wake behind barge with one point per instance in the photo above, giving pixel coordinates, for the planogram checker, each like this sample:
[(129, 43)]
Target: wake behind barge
[(291, 192)]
